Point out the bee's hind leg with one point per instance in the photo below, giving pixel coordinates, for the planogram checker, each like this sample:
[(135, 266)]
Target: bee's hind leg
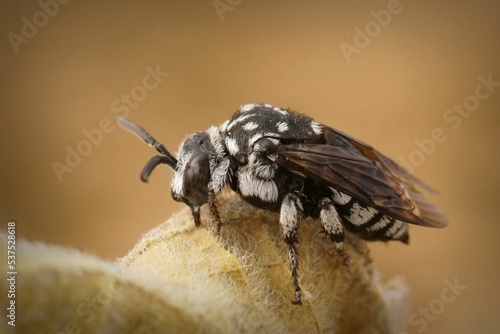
[(332, 226)]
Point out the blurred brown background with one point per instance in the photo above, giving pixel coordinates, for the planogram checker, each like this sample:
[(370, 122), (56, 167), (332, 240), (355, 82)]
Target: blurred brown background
[(70, 73)]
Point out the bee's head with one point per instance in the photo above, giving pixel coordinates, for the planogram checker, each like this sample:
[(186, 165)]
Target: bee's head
[(193, 171), (192, 168)]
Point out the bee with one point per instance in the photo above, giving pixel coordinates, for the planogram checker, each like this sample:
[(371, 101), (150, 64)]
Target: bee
[(283, 161)]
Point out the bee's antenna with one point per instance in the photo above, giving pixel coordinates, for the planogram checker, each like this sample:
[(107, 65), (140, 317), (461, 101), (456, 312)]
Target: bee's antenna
[(166, 158)]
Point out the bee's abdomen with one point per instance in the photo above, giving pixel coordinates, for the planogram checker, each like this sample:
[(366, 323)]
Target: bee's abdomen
[(369, 222)]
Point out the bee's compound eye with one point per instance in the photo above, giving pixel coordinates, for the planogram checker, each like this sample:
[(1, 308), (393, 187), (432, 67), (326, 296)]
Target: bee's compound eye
[(242, 159), (196, 179)]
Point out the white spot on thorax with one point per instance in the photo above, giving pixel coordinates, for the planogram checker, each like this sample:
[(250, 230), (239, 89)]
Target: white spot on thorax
[(316, 127), (282, 126), (247, 107), (250, 126), (281, 111), (238, 120)]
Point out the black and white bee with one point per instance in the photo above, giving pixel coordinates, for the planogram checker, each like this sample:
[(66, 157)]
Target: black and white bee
[(283, 161)]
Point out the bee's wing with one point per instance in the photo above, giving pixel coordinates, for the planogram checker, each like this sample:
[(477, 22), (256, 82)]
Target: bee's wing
[(333, 137), (360, 171)]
